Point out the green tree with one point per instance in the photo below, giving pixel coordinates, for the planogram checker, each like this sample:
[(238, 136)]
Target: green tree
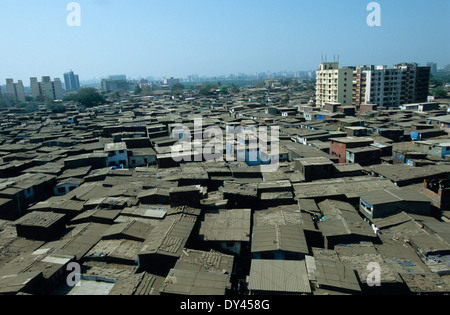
[(286, 82), (89, 97), (440, 93), (69, 97), (208, 89), (29, 107), (39, 98), (177, 88), (4, 101), (436, 81), (234, 88), (147, 91), (439, 79), (223, 90), (137, 89), (55, 107), (285, 100)]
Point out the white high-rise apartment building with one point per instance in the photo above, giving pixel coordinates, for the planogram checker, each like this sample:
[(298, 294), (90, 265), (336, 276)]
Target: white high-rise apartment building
[(15, 90), (405, 83), (377, 85), (46, 88), (333, 84)]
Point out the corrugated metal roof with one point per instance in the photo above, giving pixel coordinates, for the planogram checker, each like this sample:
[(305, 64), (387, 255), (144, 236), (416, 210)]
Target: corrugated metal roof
[(279, 276), (391, 220), (190, 282), (341, 218), (352, 187), (121, 249), (282, 215), (379, 197), (336, 274), (308, 205), (133, 230), (170, 236), (429, 283), (289, 238), (136, 284), (226, 225), (211, 261), (147, 211), (15, 283), (79, 245), (386, 196), (39, 218)]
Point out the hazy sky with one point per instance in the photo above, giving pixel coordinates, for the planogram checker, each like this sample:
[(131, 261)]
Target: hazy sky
[(142, 38)]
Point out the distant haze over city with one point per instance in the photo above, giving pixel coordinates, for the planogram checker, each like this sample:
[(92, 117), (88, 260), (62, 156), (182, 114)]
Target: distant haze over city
[(177, 38)]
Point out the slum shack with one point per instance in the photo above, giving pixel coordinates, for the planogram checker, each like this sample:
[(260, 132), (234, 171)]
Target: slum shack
[(43, 226)]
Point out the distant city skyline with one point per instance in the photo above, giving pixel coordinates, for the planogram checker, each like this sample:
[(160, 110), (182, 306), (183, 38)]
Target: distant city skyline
[(234, 76), (179, 38)]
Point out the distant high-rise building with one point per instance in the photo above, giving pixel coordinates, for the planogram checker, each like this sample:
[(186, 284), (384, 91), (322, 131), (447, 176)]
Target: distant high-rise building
[(195, 77), (15, 90), (36, 88), (415, 82), (115, 83), (171, 82), (333, 84), (433, 67), (403, 84), (71, 81), (46, 88), (377, 85), (118, 77)]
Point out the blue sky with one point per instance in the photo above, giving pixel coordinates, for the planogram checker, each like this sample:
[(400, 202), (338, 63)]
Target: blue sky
[(158, 38)]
